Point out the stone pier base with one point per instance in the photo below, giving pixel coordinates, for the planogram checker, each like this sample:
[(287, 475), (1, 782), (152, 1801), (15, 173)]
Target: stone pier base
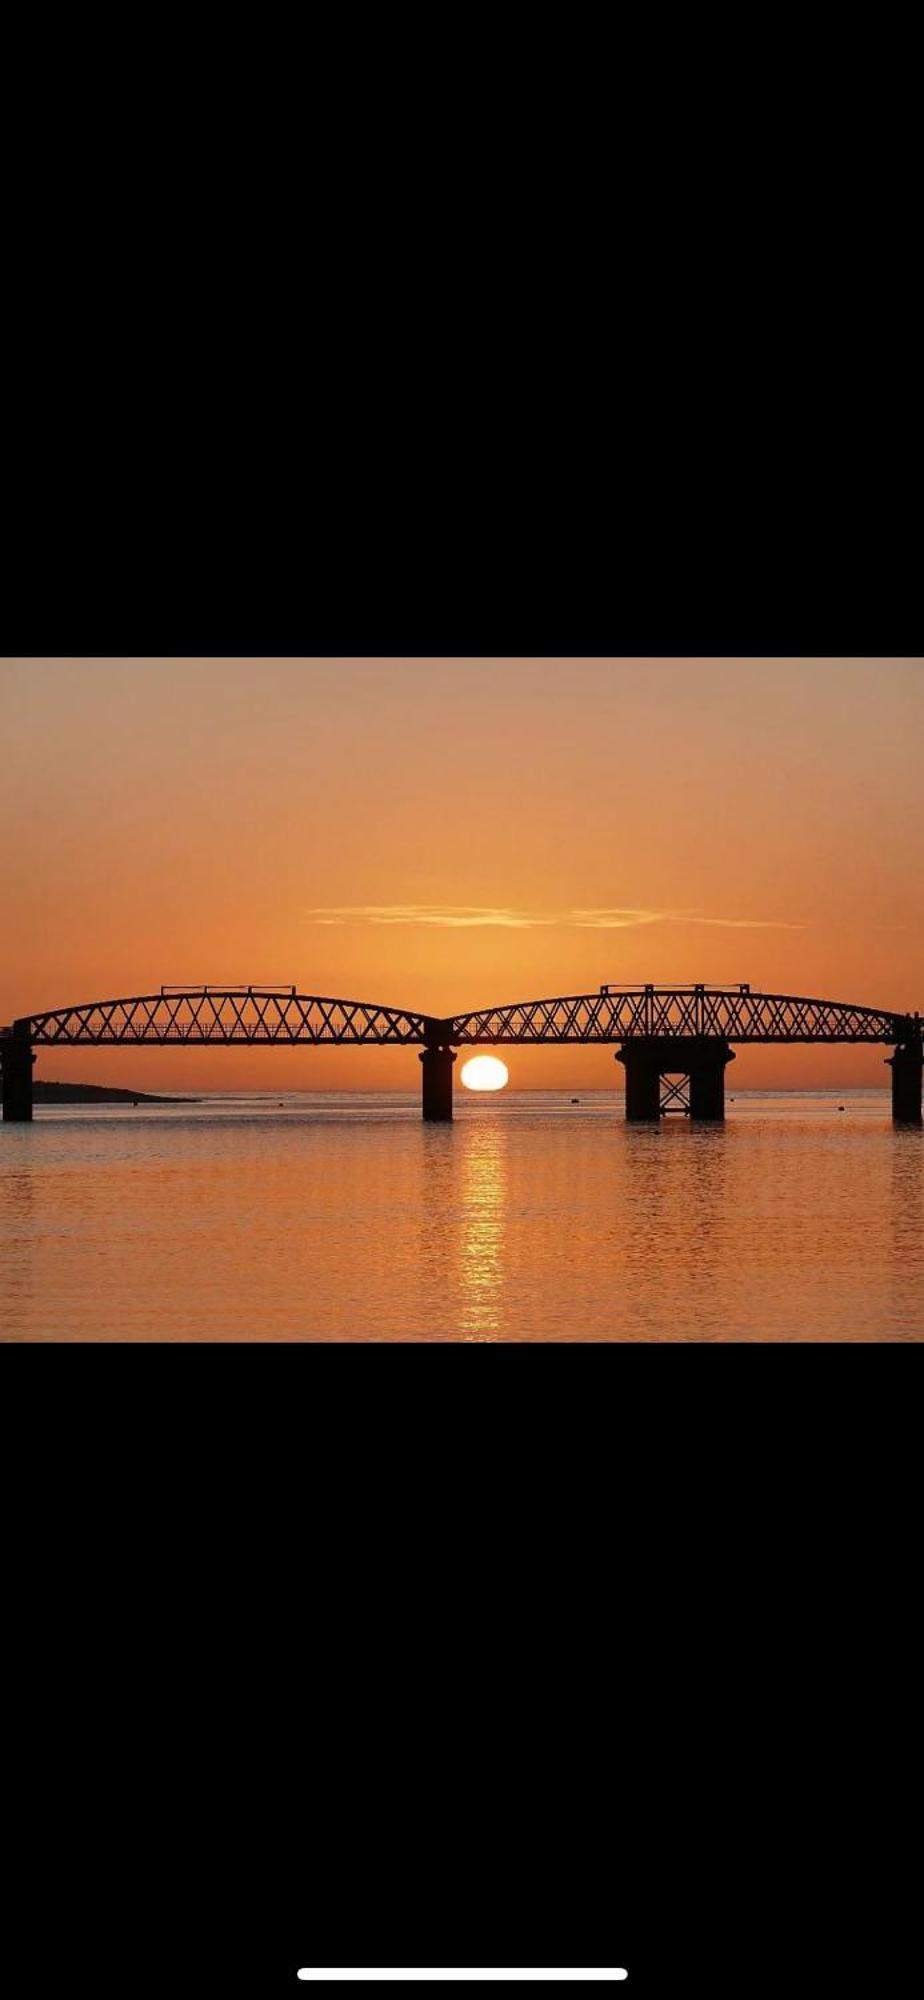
[(16, 1060), (701, 1059), (907, 1066), (436, 1084)]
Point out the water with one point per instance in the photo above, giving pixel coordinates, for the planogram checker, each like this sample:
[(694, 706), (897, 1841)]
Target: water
[(331, 1217)]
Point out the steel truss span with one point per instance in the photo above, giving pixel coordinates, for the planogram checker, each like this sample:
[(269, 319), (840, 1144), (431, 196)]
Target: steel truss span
[(249, 1014), (623, 1014), (206, 1015)]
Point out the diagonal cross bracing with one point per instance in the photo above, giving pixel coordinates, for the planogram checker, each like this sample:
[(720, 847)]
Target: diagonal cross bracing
[(202, 1017), (738, 1015), (212, 1015)]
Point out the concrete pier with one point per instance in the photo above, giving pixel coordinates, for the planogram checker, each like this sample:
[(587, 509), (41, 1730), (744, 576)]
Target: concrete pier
[(907, 1066), (707, 1078), (643, 1082), (702, 1058), (16, 1060), (436, 1083)]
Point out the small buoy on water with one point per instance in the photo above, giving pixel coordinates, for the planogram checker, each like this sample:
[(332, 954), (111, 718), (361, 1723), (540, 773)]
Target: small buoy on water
[(842, 1107), (575, 1100)]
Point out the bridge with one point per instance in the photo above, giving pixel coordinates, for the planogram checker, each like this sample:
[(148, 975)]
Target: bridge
[(673, 1042)]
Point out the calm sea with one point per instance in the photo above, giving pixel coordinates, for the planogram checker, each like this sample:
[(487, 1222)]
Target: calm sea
[(530, 1218)]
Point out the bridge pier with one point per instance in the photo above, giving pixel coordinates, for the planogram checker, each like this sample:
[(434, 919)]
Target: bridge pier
[(907, 1066), (436, 1084), (643, 1083), (702, 1058), (16, 1060), (707, 1078)]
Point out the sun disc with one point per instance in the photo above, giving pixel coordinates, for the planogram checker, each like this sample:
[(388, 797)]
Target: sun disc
[(485, 1073)]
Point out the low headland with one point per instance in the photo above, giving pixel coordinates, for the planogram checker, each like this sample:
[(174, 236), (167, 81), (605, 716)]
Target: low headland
[(93, 1093)]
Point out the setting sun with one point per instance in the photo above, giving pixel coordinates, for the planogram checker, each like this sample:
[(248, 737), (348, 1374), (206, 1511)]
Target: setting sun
[(485, 1073)]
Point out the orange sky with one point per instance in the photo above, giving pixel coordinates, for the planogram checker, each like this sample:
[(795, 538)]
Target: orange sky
[(625, 820)]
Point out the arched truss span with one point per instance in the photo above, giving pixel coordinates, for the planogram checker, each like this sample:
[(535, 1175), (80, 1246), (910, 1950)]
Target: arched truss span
[(208, 1014), (629, 1013), (250, 1014)]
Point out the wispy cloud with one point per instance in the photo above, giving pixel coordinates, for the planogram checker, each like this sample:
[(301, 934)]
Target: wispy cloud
[(616, 920), (454, 916), (473, 916)]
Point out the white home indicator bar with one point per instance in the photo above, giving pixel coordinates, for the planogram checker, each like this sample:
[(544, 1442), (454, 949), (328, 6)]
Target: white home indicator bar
[(615, 1972)]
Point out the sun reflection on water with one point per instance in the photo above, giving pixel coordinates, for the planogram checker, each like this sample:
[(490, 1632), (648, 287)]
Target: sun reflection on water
[(482, 1240)]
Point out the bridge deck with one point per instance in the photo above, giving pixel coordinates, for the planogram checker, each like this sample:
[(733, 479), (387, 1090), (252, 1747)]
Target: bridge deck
[(211, 1015)]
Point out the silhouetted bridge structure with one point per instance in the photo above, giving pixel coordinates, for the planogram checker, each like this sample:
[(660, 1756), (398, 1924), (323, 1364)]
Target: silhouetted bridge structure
[(674, 1042)]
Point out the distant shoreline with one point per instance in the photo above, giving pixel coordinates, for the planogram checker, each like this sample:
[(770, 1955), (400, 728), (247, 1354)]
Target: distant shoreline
[(92, 1093)]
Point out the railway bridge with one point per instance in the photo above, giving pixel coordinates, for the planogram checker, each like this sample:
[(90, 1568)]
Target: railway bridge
[(674, 1043)]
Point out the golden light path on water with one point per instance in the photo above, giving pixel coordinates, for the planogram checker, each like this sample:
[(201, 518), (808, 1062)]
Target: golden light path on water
[(485, 1073), (338, 1217)]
